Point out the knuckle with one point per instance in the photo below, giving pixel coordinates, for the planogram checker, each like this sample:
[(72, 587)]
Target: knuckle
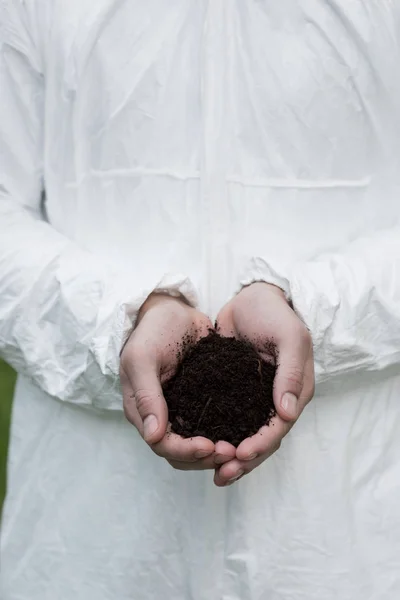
[(126, 404), (136, 354), (274, 448), (130, 415), (133, 354), (159, 452), (178, 466), (303, 334), (123, 376), (124, 362), (294, 375), (309, 387), (144, 400), (186, 457)]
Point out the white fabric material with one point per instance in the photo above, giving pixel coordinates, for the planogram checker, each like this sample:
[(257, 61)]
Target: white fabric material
[(197, 146)]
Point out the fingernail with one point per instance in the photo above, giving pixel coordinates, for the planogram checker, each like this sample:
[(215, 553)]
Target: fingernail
[(150, 426), (238, 474), (289, 404), (202, 453), (251, 457)]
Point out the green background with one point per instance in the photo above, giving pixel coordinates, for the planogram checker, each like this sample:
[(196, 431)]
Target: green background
[(7, 380)]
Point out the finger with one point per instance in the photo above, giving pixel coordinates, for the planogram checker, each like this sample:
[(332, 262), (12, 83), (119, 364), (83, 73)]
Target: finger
[(266, 441), (224, 452), (130, 409), (309, 383), (289, 379), (199, 465), (147, 399), (175, 448), (225, 330), (223, 324), (236, 470), (204, 327), (229, 473)]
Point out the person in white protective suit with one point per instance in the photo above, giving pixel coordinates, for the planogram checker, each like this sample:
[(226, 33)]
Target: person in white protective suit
[(164, 163)]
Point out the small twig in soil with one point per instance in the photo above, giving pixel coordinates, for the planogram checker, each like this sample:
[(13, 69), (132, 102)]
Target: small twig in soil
[(204, 411), (218, 409)]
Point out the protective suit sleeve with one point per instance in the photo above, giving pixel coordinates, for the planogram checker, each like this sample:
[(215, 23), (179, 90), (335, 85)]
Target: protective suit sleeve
[(64, 314), (349, 300)]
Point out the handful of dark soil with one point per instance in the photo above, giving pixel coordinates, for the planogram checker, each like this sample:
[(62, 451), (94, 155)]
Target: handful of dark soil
[(222, 390)]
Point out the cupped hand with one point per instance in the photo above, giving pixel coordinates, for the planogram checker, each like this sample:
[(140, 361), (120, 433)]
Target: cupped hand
[(148, 359), (260, 314)]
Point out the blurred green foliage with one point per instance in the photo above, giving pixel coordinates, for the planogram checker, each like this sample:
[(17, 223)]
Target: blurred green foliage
[(7, 381)]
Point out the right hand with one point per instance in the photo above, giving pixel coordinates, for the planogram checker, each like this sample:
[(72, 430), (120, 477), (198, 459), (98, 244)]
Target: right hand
[(258, 314), (148, 359)]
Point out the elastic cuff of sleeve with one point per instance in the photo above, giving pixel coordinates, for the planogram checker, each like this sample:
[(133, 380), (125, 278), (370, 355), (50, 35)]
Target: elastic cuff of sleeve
[(259, 270), (177, 286), (174, 285), (113, 333)]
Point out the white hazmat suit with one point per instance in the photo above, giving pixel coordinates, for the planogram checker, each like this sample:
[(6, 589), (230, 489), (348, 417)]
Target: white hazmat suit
[(197, 146)]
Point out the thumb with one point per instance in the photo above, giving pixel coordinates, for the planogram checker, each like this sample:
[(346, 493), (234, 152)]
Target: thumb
[(148, 401), (289, 381)]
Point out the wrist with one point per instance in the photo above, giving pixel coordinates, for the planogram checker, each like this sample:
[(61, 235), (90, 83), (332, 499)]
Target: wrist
[(161, 298), (262, 286)]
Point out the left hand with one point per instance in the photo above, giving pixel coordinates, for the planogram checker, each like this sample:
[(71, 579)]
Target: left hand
[(149, 358), (259, 313)]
